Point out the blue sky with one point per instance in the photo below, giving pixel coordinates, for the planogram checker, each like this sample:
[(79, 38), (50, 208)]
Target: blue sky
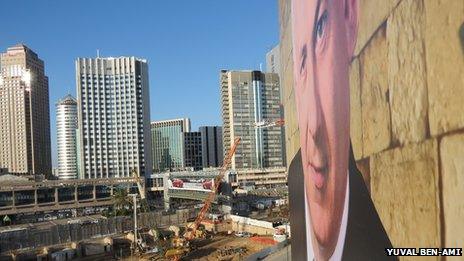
[(186, 43)]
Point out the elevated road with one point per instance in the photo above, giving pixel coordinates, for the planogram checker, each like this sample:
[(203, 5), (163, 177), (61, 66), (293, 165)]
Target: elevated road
[(29, 196)]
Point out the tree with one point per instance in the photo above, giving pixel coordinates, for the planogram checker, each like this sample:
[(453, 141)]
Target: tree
[(122, 202)]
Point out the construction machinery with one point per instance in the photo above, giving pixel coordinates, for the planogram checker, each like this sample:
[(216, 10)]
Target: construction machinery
[(181, 244)]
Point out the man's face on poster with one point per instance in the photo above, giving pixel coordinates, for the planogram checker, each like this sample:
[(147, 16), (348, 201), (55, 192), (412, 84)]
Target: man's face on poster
[(322, 49)]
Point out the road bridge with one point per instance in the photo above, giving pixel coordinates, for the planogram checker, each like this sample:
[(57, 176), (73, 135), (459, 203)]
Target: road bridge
[(18, 197)]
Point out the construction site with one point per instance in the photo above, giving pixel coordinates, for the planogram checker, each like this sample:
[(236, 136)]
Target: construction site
[(196, 228)]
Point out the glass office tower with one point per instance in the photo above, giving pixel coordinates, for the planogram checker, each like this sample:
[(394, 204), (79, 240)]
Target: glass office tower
[(168, 144)]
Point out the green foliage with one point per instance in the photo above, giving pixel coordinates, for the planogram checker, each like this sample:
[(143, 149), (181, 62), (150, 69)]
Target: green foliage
[(122, 201)]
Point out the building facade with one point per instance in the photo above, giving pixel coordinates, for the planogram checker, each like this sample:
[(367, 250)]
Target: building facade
[(248, 99), (24, 113), (66, 125), (193, 150), (211, 146), (168, 144), (114, 117), (273, 60)]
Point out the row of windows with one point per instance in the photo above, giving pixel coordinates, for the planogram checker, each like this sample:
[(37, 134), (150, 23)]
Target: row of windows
[(116, 76)]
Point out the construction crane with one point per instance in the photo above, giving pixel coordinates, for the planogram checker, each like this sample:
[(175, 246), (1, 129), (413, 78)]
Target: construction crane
[(191, 230), (140, 183), (141, 188), (190, 233), (267, 124), (138, 243)]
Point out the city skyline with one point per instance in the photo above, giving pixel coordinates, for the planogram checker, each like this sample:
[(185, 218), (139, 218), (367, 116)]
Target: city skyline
[(163, 43)]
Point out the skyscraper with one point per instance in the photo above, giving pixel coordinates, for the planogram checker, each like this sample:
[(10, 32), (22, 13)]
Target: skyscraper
[(24, 113), (168, 144), (193, 150), (211, 146), (249, 98), (66, 126), (114, 116)]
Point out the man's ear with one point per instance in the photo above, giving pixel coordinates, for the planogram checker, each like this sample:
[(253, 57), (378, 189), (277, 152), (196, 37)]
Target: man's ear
[(351, 23)]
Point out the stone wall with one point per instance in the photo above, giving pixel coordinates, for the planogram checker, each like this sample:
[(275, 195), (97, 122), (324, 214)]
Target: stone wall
[(292, 141), (407, 115)]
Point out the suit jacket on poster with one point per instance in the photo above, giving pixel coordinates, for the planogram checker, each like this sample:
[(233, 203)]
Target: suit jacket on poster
[(365, 238)]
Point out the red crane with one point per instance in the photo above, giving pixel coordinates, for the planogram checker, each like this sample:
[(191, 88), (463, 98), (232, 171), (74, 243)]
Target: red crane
[(190, 233)]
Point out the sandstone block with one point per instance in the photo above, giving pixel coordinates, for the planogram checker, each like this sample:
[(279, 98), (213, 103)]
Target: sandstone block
[(444, 45), (287, 78), (292, 145), (284, 13), (372, 14), (363, 167), (404, 188), (406, 72), (374, 95), (355, 110), (291, 127), (292, 138), (452, 155)]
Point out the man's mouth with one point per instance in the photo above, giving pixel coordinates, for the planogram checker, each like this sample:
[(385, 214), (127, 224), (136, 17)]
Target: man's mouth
[(319, 175), (317, 160)]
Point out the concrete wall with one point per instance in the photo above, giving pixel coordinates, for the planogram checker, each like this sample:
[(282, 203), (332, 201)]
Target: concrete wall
[(245, 224), (407, 119)]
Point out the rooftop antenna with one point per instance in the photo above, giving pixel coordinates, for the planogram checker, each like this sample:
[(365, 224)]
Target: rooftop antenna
[(98, 53), (261, 66)]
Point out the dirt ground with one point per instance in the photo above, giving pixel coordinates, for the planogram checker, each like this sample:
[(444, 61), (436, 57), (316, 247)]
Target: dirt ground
[(208, 248)]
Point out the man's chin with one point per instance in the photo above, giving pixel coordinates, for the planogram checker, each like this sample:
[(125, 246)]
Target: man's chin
[(325, 244), (324, 232), (324, 240)]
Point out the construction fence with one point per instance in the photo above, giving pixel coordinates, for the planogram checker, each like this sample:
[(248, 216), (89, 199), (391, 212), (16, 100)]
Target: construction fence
[(54, 233)]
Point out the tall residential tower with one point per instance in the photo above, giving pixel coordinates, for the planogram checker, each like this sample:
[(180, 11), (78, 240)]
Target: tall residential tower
[(24, 113), (249, 98), (114, 117), (66, 126)]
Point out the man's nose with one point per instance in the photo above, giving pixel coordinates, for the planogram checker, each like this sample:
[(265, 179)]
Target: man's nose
[(315, 111)]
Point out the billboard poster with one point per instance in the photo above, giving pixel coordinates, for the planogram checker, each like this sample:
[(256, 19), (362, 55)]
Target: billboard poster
[(332, 214), (202, 184)]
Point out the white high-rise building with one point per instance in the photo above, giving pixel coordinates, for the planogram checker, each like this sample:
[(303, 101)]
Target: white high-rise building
[(66, 125), (114, 117)]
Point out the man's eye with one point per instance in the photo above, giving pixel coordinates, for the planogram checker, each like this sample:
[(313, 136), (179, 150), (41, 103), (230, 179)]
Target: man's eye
[(321, 24)]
